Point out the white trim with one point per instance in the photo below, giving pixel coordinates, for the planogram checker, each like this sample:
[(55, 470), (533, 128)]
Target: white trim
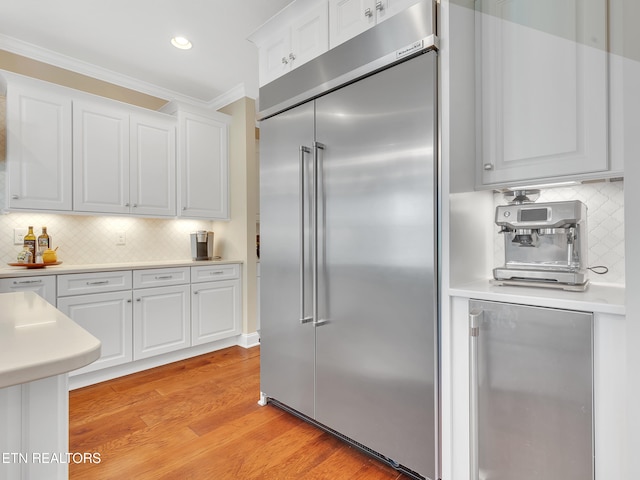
[(50, 57), (248, 340), (236, 93), (89, 378)]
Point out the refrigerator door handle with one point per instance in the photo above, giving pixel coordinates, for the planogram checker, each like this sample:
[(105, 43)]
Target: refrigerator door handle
[(474, 330), (317, 146), (303, 150)]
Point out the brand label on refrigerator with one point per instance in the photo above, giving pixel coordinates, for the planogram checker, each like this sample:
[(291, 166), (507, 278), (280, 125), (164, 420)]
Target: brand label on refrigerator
[(409, 49)]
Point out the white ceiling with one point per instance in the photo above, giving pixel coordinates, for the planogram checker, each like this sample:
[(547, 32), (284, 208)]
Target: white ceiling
[(110, 38)]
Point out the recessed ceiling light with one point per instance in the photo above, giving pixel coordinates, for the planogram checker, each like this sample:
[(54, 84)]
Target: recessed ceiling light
[(182, 43)]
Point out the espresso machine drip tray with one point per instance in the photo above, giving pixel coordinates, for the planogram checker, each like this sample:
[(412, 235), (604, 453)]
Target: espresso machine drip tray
[(545, 245), (572, 281)]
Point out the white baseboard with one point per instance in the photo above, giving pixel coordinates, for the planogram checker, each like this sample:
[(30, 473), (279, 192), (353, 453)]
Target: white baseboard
[(248, 340), (85, 379)]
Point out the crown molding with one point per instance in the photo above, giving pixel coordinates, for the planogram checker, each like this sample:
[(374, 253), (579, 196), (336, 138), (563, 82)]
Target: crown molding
[(236, 93), (50, 57)]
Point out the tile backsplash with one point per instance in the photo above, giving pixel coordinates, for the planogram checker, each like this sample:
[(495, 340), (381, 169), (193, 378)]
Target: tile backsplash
[(92, 239), (605, 223)]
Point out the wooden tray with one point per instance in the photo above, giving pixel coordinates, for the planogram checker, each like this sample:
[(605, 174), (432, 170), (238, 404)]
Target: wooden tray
[(34, 265)]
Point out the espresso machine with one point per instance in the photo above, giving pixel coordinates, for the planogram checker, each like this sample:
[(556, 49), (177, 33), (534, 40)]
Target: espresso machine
[(545, 244), (202, 245)]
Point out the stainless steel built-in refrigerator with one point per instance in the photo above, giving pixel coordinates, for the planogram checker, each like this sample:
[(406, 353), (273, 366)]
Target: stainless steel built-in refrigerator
[(349, 245)]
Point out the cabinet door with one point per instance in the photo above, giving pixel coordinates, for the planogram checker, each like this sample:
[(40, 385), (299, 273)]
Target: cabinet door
[(543, 97), (100, 158), (348, 18), (388, 8), (274, 59), (310, 35), (216, 311), (204, 167), (108, 317), (161, 320), (153, 165), (38, 148), (44, 285)]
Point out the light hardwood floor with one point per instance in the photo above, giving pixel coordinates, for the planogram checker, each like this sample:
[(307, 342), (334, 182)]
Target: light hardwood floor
[(199, 419)]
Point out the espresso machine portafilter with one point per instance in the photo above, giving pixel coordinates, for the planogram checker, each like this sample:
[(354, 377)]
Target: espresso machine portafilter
[(545, 244)]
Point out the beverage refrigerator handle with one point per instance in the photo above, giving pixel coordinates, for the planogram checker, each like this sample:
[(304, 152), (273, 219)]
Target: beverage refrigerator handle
[(474, 329), (317, 146), (303, 150)]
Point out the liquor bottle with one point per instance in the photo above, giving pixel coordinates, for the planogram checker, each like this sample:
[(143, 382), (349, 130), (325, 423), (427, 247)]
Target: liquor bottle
[(30, 241), (44, 241)]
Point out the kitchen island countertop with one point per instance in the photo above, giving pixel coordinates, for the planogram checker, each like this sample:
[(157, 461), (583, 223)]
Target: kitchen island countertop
[(39, 341)]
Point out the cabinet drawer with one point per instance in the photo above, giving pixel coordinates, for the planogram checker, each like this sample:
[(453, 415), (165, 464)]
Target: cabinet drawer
[(84, 283), (215, 272), (43, 285), (159, 277)]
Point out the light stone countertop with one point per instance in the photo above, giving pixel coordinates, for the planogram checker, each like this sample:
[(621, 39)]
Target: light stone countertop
[(8, 271), (598, 298), (39, 341)]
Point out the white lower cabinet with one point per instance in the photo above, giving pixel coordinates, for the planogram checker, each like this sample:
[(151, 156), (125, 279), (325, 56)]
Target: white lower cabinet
[(100, 302), (34, 418), (108, 317), (150, 312), (43, 285), (215, 310), (161, 320)]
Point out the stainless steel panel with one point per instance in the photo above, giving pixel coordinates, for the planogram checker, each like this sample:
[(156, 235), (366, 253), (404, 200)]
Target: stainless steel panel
[(287, 344), (535, 393), (375, 48), (376, 358)]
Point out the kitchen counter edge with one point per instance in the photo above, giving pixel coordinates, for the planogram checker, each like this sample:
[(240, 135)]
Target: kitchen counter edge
[(10, 272), (598, 298), (39, 341)]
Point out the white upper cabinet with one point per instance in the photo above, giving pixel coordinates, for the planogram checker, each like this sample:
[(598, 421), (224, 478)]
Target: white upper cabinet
[(38, 148), (100, 158), (290, 46), (348, 18), (124, 160), (152, 182), (542, 92), (274, 58), (70, 151), (301, 32), (203, 158)]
